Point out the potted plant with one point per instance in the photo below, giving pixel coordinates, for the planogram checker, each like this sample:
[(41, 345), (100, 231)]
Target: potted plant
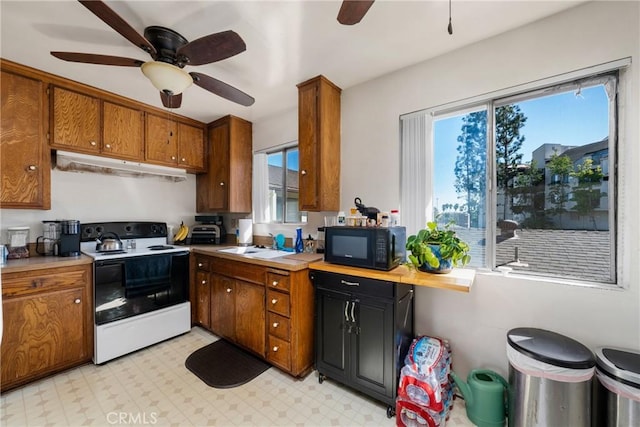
[(437, 249)]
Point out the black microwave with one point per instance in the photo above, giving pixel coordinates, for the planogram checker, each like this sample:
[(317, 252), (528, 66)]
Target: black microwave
[(379, 248)]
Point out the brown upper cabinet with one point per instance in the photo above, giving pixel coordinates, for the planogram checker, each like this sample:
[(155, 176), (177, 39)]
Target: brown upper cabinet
[(319, 145), (122, 132), (77, 119), (172, 143), (75, 123), (226, 187), (25, 164)]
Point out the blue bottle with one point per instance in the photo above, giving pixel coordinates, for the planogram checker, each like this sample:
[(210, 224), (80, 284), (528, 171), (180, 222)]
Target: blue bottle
[(299, 243)]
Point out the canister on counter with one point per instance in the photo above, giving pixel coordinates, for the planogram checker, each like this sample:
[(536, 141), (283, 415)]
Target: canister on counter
[(18, 238)]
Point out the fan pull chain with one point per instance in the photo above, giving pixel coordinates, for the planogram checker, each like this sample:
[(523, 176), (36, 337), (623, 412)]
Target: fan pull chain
[(450, 27)]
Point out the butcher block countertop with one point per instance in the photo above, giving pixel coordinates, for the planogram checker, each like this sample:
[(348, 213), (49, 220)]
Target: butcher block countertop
[(293, 262), (43, 263), (458, 280)]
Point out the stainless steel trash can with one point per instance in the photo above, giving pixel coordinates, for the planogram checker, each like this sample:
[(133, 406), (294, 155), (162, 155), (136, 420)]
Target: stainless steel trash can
[(550, 379), (616, 400)]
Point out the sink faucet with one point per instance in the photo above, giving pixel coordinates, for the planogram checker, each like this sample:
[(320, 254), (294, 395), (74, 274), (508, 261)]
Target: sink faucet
[(274, 244)]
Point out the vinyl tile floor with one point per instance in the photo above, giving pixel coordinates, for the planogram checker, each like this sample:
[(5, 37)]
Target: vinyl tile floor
[(152, 387)]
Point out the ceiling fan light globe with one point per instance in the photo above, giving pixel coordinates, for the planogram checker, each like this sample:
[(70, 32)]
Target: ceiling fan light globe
[(166, 77)]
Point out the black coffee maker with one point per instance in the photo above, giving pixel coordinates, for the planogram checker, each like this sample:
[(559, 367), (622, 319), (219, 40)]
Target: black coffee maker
[(69, 244)]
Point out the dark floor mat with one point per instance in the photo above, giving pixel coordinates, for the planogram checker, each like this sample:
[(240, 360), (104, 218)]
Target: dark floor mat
[(224, 365)]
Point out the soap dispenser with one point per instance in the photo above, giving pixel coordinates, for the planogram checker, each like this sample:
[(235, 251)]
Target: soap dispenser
[(299, 243)]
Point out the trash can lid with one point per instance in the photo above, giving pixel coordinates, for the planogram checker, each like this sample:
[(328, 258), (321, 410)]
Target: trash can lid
[(551, 347), (621, 364)]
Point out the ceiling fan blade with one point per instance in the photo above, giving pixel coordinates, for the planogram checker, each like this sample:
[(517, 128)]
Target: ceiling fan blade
[(352, 11), (171, 101), (222, 89), (112, 19), (92, 58), (212, 48)]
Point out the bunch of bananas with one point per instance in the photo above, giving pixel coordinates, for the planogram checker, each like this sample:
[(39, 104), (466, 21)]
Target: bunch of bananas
[(182, 233)]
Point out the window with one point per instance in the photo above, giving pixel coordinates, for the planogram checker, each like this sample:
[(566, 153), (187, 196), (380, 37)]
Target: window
[(529, 179), (276, 186)]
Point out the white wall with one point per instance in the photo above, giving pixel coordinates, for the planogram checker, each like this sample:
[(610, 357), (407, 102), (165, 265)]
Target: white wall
[(476, 323), (92, 197)]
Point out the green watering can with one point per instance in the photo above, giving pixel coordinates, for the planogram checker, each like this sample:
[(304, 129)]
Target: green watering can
[(485, 397)]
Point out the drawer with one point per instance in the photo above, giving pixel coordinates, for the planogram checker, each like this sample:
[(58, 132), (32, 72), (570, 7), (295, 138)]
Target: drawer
[(29, 283), (278, 281), (278, 302), (202, 263), (238, 270), (279, 326), (279, 353)]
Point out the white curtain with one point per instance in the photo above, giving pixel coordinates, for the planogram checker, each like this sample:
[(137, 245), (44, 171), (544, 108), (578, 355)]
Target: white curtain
[(260, 189), (415, 170)]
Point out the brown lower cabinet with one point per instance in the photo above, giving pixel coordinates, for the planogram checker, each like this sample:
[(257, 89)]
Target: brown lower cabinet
[(47, 317), (262, 309)]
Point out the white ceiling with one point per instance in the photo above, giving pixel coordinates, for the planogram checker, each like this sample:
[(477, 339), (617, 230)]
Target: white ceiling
[(287, 42)]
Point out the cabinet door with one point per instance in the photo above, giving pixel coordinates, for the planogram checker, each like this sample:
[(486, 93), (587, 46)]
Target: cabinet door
[(332, 326), (308, 147), (219, 172), (203, 299), (24, 160), (123, 134), (190, 147), (223, 306), (250, 316), (372, 355), (47, 332), (161, 142), (75, 121)]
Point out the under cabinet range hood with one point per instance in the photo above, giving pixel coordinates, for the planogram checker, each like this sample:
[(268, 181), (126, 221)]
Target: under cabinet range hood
[(75, 162)]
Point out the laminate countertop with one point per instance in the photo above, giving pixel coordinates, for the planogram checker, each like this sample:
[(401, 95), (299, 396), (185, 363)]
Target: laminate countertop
[(291, 262), (43, 262), (460, 279)]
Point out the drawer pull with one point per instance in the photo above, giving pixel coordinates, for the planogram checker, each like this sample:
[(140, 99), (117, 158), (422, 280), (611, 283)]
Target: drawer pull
[(275, 348), (274, 301), (275, 324), (344, 282), (275, 283), (228, 290), (77, 301)]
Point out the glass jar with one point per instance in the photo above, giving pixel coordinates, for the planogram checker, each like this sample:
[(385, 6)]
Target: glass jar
[(17, 242)]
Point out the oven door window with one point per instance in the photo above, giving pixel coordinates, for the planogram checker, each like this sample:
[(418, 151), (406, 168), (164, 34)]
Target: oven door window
[(130, 286)]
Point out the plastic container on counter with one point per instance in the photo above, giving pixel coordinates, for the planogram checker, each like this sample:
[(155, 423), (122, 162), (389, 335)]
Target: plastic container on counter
[(18, 240)]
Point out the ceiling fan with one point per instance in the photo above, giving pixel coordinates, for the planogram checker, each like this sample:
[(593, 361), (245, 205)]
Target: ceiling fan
[(170, 53), (352, 11)]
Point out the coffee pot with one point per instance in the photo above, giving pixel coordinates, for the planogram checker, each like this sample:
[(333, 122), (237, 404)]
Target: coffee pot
[(47, 244)]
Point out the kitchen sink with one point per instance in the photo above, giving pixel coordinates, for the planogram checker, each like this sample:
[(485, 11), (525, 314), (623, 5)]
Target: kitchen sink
[(253, 252)]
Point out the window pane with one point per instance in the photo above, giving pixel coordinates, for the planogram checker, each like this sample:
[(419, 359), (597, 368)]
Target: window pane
[(292, 214), (276, 185), (459, 176), (552, 176)]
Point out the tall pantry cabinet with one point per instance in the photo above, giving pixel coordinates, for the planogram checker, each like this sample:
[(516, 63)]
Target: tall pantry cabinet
[(319, 145)]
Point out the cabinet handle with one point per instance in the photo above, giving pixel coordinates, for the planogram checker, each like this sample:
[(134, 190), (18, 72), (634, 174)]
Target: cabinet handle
[(344, 282), (274, 283), (32, 167), (303, 172), (200, 264), (275, 348), (93, 143), (353, 306), (173, 157), (77, 301), (204, 282), (183, 160), (275, 324), (346, 314), (274, 301), (228, 290), (107, 146), (221, 184)]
